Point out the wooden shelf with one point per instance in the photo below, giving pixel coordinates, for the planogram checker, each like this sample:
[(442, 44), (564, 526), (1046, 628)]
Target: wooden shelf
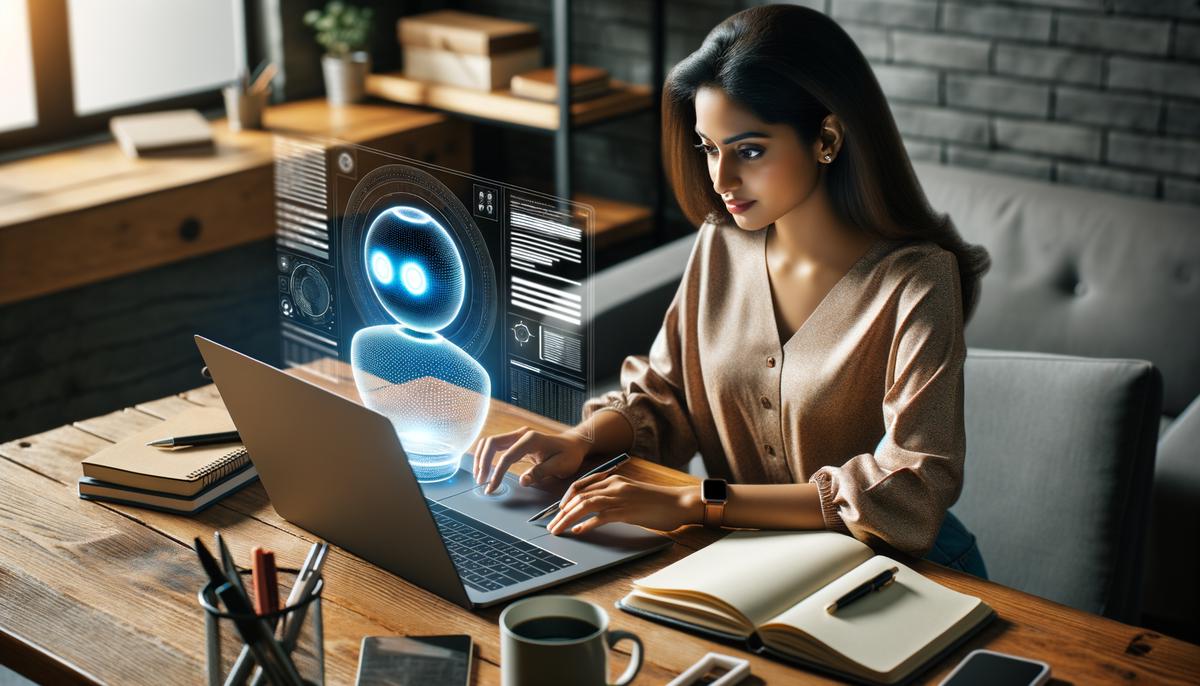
[(93, 175), (503, 106), (616, 221)]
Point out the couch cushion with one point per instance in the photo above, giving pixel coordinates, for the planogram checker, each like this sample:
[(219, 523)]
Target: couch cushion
[(1057, 479), (1080, 272)]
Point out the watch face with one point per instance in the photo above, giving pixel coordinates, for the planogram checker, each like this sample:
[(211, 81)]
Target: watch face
[(714, 490)]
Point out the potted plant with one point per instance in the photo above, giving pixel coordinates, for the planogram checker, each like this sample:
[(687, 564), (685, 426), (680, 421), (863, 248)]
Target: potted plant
[(343, 30)]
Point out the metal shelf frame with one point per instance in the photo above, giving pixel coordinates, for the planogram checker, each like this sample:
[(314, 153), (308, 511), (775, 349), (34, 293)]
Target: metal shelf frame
[(563, 182)]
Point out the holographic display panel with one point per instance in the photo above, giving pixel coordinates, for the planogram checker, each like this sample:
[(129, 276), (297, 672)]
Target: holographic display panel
[(526, 258)]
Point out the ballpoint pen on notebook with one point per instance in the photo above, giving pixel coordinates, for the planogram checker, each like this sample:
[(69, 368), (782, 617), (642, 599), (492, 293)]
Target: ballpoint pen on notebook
[(606, 467), (196, 440), (880, 581)]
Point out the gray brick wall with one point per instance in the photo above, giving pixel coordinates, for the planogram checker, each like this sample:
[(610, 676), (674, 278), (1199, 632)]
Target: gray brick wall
[(1097, 93)]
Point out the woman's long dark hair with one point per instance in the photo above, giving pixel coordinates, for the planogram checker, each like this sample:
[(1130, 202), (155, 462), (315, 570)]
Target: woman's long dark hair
[(795, 65)]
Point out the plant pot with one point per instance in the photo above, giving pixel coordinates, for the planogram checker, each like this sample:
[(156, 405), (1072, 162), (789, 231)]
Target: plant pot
[(346, 77)]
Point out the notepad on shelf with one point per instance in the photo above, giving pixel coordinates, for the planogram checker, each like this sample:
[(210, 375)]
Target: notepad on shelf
[(770, 589), (184, 472), (176, 132)]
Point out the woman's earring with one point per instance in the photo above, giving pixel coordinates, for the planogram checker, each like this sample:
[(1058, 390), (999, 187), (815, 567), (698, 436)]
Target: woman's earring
[(828, 158)]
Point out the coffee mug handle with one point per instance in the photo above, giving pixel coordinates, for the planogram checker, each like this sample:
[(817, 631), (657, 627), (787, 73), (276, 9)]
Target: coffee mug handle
[(635, 658)]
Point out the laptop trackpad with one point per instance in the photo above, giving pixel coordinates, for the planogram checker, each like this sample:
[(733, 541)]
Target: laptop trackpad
[(507, 509)]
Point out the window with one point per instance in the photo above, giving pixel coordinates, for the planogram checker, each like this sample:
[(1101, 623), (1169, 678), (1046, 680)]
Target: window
[(129, 52), (18, 107), (80, 62)]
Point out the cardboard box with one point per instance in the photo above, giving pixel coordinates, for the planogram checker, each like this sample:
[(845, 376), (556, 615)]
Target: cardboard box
[(477, 72), (469, 34)]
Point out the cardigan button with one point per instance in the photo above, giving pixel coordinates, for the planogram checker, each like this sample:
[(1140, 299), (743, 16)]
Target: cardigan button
[(769, 449), (765, 402), (770, 361)]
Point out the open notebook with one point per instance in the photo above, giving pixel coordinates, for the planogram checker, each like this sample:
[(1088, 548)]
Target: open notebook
[(770, 590)]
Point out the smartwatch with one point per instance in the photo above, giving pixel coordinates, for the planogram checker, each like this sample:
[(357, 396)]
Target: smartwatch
[(714, 493)]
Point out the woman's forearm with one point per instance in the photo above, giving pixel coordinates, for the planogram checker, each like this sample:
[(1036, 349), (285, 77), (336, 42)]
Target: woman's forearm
[(765, 506), (750, 506), (607, 432)]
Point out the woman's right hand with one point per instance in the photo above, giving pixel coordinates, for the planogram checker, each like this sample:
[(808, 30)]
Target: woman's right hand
[(554, 455)]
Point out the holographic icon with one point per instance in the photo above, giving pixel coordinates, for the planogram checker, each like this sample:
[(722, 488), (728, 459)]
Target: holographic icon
[(521, 333), (434, 392)]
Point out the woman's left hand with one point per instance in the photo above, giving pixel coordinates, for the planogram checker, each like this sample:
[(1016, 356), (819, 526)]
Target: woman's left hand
[(614, 498)]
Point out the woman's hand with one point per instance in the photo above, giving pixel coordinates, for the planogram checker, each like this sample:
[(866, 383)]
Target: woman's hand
[(616, 498), (554, 455)]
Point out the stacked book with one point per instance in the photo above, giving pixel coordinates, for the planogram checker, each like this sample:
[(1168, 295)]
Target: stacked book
[(541, 84), (467, 50), (181, 480)]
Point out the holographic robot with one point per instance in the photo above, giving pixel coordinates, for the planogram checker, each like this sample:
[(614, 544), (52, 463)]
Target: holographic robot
[(435, 393)]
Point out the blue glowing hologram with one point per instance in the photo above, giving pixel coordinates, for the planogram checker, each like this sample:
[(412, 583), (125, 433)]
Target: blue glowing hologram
[(436, 395), (432, 284)]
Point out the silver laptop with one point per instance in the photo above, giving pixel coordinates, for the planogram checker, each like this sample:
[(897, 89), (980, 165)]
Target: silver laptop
[(337, 469)]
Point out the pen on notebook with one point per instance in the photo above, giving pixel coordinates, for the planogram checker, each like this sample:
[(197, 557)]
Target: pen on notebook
[(196, 439), (881, 580), (606, 467)]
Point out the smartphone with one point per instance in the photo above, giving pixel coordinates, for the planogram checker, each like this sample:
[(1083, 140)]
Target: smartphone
[(415, 661), (989, 668)]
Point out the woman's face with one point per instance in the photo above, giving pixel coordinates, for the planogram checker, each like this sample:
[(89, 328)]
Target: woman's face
[(761, 171)]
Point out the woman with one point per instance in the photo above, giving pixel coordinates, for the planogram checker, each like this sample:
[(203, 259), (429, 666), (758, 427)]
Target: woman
[(813, 352)]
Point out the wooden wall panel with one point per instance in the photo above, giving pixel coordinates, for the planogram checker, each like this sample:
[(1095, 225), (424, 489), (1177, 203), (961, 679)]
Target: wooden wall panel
[(94, 349)]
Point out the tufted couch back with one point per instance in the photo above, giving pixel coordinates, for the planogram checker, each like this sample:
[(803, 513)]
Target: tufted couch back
[(1078, 272)]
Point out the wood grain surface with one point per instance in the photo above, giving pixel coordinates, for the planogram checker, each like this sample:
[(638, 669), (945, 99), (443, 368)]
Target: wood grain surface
[(80, 216), (107, 593)]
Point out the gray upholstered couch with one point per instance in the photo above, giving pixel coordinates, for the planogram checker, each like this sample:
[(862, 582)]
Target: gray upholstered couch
[(1075, 272)]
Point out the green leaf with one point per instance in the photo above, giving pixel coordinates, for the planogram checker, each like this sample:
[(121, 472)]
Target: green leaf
[(311, 17)]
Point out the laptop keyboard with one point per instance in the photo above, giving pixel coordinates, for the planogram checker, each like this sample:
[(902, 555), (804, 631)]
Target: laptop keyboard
[(487, 558)]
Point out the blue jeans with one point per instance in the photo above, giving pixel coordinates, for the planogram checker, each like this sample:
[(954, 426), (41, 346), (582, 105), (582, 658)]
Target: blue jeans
[(955, 548)]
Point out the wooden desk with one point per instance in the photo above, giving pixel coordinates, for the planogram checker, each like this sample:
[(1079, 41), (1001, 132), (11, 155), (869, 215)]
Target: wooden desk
[(83, 215), (97, 592)]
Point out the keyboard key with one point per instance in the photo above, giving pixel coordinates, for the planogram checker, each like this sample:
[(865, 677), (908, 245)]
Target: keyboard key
[(489, 559)]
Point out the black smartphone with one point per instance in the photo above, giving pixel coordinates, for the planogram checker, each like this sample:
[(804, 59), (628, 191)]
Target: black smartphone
[(415, 661), (989, 668)]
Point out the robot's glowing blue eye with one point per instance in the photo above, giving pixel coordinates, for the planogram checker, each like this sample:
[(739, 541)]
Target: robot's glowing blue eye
[(381, 267), (414, 278)]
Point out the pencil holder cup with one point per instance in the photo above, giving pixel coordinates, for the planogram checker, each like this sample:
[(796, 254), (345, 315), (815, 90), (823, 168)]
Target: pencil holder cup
[(231, 659), (244, 109)]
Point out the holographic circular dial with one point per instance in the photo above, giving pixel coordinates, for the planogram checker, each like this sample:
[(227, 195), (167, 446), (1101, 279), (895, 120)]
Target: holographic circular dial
[(310, 291)]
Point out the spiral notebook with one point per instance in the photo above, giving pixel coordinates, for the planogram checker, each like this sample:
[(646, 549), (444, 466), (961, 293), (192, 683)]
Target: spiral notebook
[(182, 472)]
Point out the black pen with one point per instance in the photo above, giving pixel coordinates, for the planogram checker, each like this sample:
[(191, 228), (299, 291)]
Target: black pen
[(882, 580), (606, 467), (197, 439)]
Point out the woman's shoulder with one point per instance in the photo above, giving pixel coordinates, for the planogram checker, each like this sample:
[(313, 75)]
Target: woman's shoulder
[(717, 244), (922, 262)]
